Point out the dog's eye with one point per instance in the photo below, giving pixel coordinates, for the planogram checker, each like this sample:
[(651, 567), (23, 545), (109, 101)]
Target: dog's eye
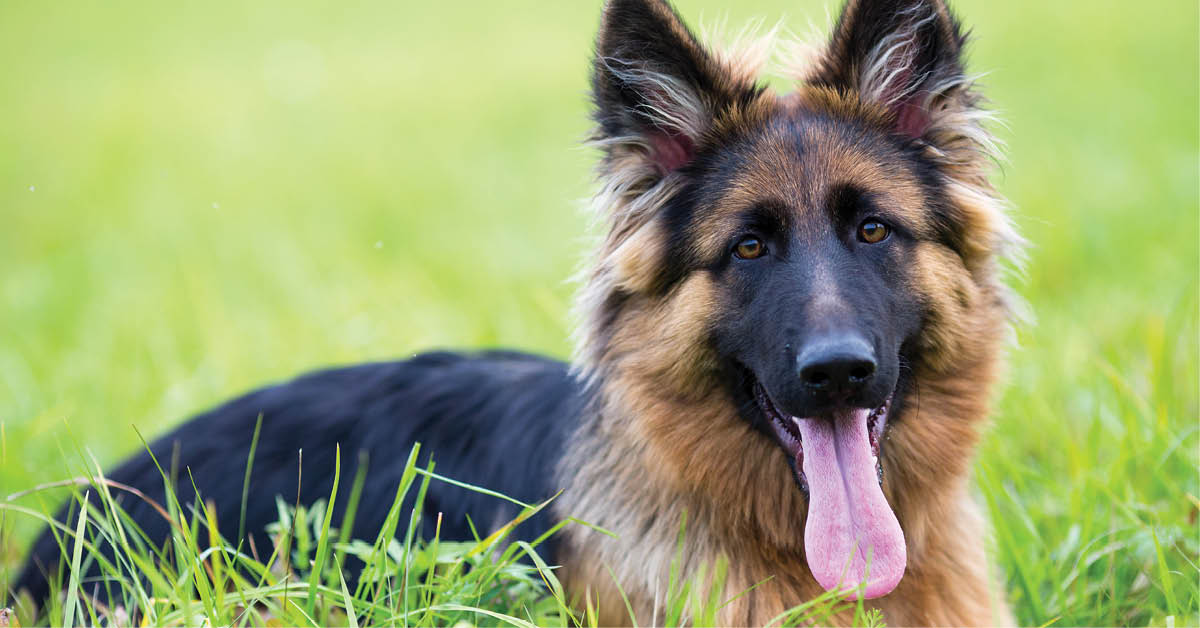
[(749, 247), (872, 231)]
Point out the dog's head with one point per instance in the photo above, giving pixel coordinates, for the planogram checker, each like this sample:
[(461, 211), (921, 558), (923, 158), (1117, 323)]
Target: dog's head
[(797, 271)]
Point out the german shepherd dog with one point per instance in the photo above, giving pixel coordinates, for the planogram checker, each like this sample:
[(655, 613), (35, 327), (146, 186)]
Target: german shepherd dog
[(788, 332)]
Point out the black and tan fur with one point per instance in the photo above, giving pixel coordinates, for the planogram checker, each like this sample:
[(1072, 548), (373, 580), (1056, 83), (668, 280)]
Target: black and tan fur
[(887, 109), (655, 418)]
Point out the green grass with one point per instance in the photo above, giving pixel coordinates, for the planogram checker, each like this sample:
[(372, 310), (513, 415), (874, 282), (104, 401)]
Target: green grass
[(199, 199), (202, 578)]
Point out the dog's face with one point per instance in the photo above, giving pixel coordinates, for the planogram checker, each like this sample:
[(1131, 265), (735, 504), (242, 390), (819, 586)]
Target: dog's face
[(812, 255), (812, 226)]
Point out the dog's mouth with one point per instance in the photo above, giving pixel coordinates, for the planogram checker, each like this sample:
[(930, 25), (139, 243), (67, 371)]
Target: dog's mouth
[(852, 539), (787, 433)]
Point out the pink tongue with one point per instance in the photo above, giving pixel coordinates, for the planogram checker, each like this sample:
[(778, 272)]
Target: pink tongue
[(851, 535)]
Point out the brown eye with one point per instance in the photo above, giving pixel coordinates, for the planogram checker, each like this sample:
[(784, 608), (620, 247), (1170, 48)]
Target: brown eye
[(872, 231), (750, 248)]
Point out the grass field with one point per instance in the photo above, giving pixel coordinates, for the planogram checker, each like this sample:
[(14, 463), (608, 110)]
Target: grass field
[(197, 199)]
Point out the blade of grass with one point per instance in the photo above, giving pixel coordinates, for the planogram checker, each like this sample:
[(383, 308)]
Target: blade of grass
[(351, 614), (552, 584), (413, 521), (113, 513), (194, 572), (214, 542), (291, 534), (378, 559), (76, 558), (360, 479), (624, 598), (194, 561), (318, 567), (1164, 574), (429, 593), (503, 530), (478, 489), (508, 619), (246, 479)]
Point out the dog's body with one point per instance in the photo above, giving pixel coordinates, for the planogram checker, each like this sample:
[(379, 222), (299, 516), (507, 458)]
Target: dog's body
[(789, 334)]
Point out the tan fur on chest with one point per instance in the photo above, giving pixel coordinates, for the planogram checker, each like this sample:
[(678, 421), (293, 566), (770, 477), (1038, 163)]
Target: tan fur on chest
[(740, 508)]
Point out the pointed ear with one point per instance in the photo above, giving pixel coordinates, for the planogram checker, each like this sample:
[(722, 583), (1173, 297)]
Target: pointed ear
[(656, 90), (905, 56)]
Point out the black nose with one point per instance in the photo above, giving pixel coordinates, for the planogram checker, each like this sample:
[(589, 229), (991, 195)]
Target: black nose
[(836, 366)]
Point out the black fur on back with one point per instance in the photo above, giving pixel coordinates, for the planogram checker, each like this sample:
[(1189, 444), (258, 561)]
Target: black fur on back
[(497, 420)]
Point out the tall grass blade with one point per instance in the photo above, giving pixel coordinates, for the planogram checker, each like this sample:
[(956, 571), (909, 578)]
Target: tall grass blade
[(246, 479), (347, 527), (318, 567), (73, 592)]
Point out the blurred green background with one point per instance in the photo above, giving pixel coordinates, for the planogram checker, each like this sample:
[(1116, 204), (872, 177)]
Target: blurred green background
[(198, 198)]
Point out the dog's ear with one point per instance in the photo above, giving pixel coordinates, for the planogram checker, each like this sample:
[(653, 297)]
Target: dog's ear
[(655, 88), (905, 56)]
